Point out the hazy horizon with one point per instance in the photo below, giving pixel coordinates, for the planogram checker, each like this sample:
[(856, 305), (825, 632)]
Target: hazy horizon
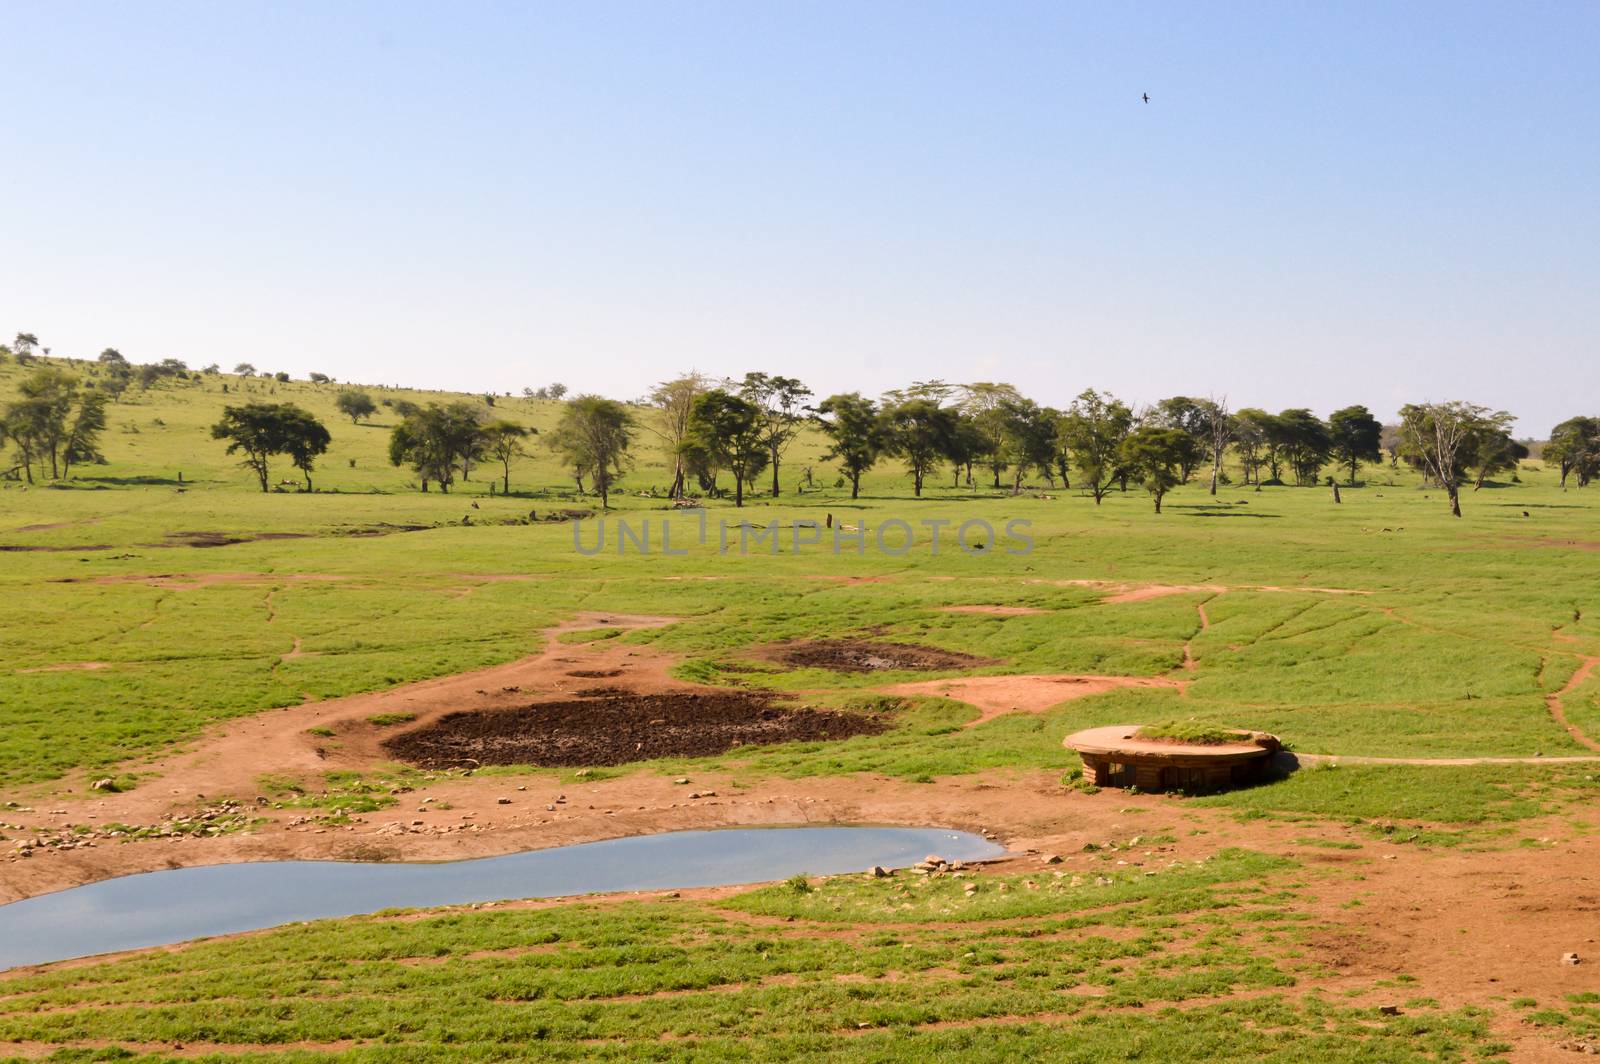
[(1317, 207)]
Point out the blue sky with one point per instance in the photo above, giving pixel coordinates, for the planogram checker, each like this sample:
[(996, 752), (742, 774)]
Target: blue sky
[(1322, 204)]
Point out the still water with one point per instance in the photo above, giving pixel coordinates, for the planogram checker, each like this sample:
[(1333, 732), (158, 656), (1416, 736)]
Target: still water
[(157, 908)]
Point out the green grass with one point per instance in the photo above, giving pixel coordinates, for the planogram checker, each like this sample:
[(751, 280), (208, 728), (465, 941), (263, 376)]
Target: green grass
[(121, 639), (1189, 731), (848, 969), (1449, 653)]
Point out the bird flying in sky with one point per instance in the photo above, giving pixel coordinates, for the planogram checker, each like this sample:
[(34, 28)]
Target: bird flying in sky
[(1147, 97)]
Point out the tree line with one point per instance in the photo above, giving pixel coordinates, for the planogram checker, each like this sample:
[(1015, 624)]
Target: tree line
[(739, 431)]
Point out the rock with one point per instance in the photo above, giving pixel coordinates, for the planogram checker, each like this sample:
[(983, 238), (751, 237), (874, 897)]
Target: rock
[(102, 785), (1050, 858), (878, 872), (681, 780), (1389, 1010), (933, 860), (502, 801), (1570, 959)]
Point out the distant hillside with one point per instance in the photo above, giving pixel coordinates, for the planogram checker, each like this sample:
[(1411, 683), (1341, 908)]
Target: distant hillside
[(157, 433)]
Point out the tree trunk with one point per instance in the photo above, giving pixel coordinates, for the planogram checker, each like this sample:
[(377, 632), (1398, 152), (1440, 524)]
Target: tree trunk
[(1455, 500), (855, 485), (1336, 498), (916, 482), (1158, 501), (774, 472), (506, 484)]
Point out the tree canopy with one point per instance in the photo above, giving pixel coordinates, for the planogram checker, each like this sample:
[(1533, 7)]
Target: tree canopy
[(262, 430), (853, 426), (593, 435)]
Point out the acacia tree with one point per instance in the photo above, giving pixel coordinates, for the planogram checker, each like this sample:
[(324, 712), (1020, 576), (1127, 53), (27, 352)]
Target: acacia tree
[(919, 432), (261, 430), (1299, 438), (1155, 455), (356, 406), (503, 441), (781, 401), (1190, 417), (729, 430), (1494, 451), (673, 402), (989, 407), (1029, 440), (1437, 436), (306, 439), (82, 443), (965, 446), (594, 433), (852, 423), (53, 422), (1092, 431), (435, 439), (1575, 447), (1355, 436)]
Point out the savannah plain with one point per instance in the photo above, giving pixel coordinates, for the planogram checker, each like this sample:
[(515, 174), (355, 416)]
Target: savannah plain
[(235, 670)]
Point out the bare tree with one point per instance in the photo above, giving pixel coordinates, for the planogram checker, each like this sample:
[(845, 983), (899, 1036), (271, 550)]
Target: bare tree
[(1219, 428)]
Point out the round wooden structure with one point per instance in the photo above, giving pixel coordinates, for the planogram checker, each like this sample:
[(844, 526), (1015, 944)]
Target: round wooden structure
[(1114, 757)]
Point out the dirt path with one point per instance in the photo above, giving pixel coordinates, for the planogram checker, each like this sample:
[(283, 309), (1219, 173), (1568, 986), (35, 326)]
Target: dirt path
[(1322, 759), (994, 696), (1558, 709)]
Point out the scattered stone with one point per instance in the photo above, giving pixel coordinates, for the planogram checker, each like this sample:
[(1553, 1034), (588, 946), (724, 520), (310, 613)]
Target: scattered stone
[(1389, 1010), (1051, 858), (1570, 959), (502, 801), (878, 872), (103, 785)]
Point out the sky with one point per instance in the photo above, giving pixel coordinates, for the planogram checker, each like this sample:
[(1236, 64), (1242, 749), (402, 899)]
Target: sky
[(1322, 204)]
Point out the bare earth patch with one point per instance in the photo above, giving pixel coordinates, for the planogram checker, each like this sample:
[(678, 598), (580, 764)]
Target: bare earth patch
[(71, 666), (863, 655), (994, 696), (619, 727), (1155, 591), (994, 611)]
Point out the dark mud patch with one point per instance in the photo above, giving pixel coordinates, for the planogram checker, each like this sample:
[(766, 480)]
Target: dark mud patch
[(204, 539), (19, 547), (595, 674), (861, 655), (621, 728), (381, 529)]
